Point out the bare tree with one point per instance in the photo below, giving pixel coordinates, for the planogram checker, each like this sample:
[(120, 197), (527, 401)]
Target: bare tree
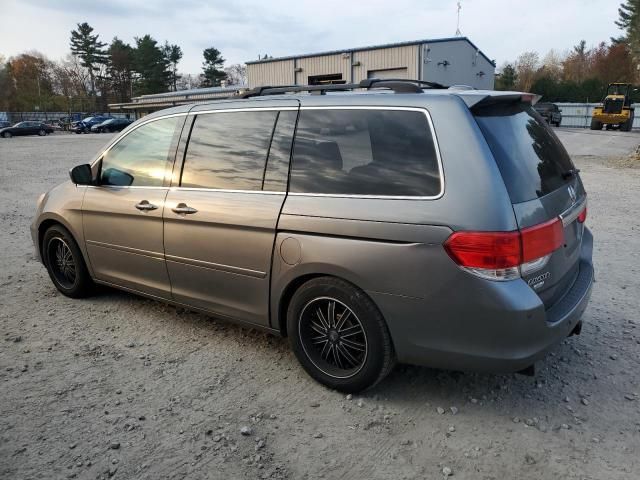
[(552, 65), (236, 74), (527, 66)]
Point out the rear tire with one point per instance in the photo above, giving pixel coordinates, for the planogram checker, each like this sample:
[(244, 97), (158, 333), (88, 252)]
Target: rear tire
[(41, 132), (65, 264), (339, 335), (596, 125)]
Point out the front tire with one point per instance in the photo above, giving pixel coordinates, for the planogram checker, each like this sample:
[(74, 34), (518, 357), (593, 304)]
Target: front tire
[(65, 263), (339, 335), (41, 132), (7, 135), (596, 125)]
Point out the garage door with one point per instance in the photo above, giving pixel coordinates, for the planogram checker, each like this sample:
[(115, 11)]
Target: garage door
[(388, 73)]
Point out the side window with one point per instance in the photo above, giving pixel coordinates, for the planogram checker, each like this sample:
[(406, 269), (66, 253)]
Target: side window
[(364, 152), (144, 157), (228, 150), (276, 174)]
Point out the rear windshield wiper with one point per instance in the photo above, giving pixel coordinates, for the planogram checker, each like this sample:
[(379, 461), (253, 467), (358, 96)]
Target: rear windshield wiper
[(570, 173)]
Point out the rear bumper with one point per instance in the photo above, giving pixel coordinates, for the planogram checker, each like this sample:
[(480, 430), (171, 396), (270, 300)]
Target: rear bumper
[(612, 118), (485, 326)]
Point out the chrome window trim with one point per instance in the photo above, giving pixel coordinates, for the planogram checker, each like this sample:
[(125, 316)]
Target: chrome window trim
[(225, 190), (291, 108), (571, 213), (246, 109), (383, 197), (140, 187)]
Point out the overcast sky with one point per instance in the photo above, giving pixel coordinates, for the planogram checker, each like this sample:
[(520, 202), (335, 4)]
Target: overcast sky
[(502, 29)]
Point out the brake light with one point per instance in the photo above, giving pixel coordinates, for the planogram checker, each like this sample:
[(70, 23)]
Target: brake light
[(505, 255), (485, 249), (583, 216), (541, 240)]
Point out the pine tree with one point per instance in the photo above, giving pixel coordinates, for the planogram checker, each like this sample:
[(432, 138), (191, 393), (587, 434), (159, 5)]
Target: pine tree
[(151, 66), (119, 68), (172, 55), (212, 67), (89, 49), (629, 22), (508, 78)]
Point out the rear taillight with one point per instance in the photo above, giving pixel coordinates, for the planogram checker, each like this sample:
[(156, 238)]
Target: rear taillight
[(506, 255), (583, 216)]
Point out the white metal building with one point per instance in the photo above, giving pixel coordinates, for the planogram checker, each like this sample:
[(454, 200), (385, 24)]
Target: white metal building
[(449, 61)]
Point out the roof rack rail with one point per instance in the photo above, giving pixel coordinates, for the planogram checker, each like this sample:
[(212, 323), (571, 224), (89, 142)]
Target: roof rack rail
[(391, 83), (398, 85), (462, 87)]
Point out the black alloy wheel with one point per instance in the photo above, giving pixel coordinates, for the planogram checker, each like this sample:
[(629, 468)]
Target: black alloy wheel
[(333, 337), (65, 264), (339, 335)]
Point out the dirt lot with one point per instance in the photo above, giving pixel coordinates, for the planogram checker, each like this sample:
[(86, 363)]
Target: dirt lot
[(123, 387)]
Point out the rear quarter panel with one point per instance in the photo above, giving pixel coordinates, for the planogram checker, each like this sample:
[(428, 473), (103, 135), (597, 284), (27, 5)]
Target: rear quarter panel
[(394, 246)]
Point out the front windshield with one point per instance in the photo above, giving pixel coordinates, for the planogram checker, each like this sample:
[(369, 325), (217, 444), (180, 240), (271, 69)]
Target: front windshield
[(617, 89), (88, 119), (20, 124)]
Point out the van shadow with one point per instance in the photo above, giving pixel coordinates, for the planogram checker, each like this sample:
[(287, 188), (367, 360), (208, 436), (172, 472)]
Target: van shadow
[(563, 373)]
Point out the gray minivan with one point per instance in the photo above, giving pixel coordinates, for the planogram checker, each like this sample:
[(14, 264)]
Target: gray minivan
[(370, 223)]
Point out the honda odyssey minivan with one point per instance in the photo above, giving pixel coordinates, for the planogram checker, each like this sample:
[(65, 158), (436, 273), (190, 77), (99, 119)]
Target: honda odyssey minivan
[(373, 223)]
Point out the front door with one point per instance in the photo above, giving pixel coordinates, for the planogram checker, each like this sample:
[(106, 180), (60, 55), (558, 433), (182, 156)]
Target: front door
[(221, 218), (122, 215)]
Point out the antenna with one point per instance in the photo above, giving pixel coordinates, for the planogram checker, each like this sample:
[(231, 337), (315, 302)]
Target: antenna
[(458, 32)]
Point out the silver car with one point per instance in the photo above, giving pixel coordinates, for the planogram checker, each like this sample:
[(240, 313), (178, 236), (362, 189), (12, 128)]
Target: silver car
[(390, 221)]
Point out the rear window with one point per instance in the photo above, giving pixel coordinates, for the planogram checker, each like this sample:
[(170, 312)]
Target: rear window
[(364, 152), (530, 157)]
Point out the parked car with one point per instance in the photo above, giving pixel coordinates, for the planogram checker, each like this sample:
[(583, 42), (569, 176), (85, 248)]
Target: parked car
[(84, 125), (437, 227), (111, 125), (550, 112), (26, 128), (55, 124), (4, 124)]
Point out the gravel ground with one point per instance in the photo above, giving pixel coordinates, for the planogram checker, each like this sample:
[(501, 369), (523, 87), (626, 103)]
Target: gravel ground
[(123, 387)]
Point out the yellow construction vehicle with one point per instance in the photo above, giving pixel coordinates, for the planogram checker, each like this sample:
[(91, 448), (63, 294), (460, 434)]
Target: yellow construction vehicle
[(615, 110)]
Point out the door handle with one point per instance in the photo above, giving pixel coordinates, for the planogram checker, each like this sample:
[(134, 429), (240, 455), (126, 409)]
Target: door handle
[(184, 208), (144, 205)]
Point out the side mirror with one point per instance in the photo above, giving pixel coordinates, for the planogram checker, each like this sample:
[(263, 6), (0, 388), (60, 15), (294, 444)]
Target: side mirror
[(81, 174)]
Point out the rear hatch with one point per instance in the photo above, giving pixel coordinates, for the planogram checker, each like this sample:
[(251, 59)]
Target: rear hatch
[(544, 188)]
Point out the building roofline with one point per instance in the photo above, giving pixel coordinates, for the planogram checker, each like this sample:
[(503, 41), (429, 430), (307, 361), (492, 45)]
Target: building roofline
[(372, 47), (192, 91)]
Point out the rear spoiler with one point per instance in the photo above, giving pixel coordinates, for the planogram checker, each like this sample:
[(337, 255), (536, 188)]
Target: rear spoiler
[(476, 100)]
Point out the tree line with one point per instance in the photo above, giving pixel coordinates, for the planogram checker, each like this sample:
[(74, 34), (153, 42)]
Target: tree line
[(581, 74), (95, 73)]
